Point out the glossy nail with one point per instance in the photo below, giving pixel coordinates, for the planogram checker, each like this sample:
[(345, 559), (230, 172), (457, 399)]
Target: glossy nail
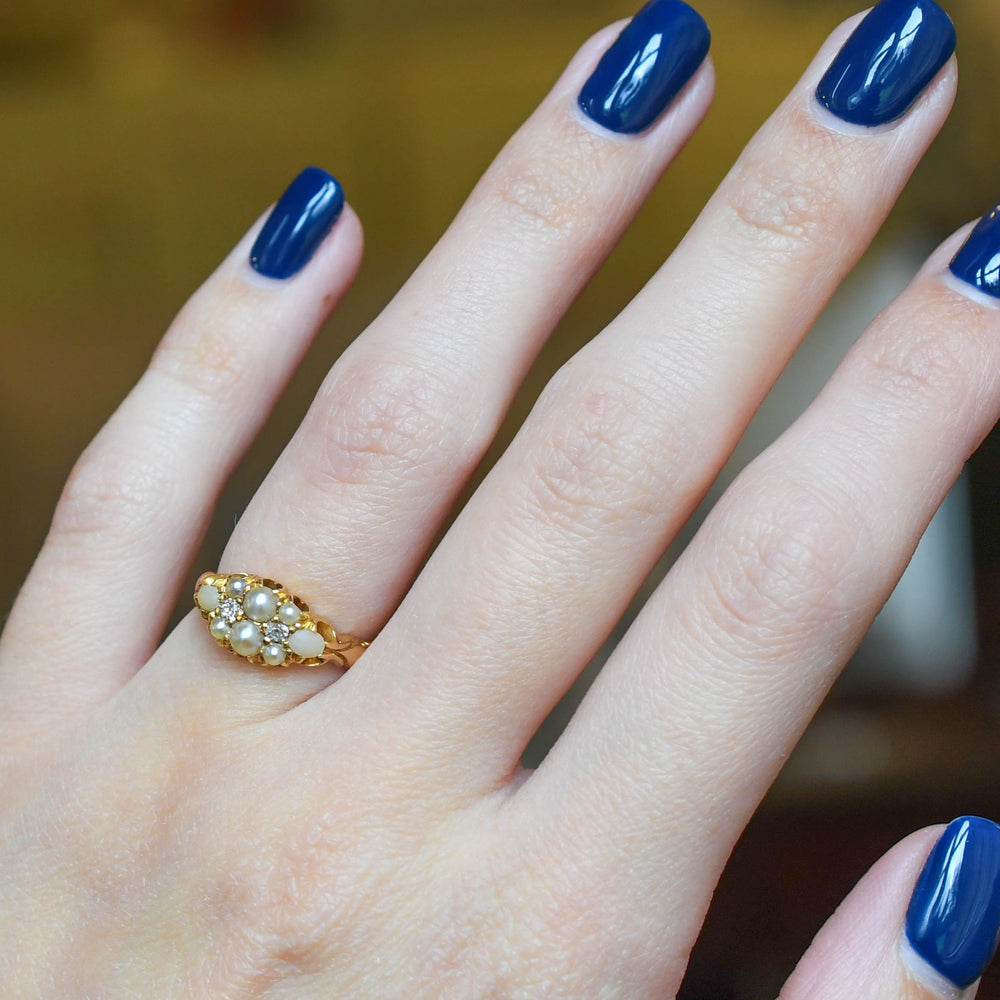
[(646, 66), (298, 224), (954, 916), (978, 260), (886, 63)]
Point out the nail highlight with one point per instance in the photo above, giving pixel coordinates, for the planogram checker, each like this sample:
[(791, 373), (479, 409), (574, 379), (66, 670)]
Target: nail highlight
[(646, 67), (887, 62), (300, 221), (953, 920), (978, 260)]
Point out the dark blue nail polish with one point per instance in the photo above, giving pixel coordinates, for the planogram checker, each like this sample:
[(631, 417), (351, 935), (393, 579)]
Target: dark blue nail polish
[(954, 917), (888, 60), (298, 224), (978, 260), (646, 66)]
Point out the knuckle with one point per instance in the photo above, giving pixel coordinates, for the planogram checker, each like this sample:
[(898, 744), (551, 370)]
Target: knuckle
[(205, 347), (783, 569), (601, 456), (793, 200), (109, 490), (387, 417), (927, 365), (544, 193)]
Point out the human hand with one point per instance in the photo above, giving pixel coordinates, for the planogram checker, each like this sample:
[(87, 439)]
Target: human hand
[(179, 823)]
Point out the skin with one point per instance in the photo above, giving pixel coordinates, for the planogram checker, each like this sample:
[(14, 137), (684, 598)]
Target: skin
[(176, 824)]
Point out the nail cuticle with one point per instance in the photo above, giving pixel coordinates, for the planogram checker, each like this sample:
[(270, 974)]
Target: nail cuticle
[(921, 972), (977, 262), (967, 291), (833, 123)]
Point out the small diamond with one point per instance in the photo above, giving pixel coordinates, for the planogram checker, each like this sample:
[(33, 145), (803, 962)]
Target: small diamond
[(275, 632), (229, 609)]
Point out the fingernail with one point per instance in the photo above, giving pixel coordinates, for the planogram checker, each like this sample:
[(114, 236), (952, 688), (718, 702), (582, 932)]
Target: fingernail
[(888, 60), (954, 916), (978, 260), (306, 212), (646, 66)]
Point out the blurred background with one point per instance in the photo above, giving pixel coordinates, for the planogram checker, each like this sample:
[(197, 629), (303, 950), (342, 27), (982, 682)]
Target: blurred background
[(139, 140)]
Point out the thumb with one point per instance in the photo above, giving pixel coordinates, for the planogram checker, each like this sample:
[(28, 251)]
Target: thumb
[(921, 925)]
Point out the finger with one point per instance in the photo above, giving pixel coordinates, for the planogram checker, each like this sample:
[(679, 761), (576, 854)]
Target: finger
[(921, 925), (627, 437), (349, 510), (718, 676), (139, 499)]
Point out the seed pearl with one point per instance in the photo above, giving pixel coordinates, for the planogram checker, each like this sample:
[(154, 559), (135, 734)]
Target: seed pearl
[(236, 587), (289, 613), (208, 597), (219, 628), (306, 643), (273, 655), (260, 603), (245, 638)]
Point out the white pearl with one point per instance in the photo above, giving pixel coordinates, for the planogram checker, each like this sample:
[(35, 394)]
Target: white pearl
[(273, 655), (245, 638), (260, 603), (208, 597), (219, 628), (307, 643), (236, 587), (289, 613)]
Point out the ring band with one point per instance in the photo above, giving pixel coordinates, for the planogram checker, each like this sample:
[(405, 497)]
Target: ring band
[(261, 621)]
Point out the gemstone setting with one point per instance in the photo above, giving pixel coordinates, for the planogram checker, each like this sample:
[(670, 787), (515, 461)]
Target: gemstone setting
[(229, 610), (258, 619), (276, 632)]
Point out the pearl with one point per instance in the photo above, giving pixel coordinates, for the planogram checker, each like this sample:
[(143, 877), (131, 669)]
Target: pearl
[(289, 613), (306, 643), (208, 597), (245, 638), (219, 628), (260, 603), (273, 655), (237, 587)]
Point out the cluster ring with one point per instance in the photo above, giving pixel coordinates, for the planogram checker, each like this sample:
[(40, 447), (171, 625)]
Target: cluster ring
[(260, 620)]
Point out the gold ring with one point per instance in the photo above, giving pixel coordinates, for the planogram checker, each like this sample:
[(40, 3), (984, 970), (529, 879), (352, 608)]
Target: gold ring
[(258, 619)]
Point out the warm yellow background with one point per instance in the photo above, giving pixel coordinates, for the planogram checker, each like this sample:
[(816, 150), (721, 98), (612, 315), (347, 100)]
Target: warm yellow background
[(138, 141)]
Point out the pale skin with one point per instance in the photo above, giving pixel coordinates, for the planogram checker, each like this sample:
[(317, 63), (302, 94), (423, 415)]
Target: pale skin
[(178, 824)]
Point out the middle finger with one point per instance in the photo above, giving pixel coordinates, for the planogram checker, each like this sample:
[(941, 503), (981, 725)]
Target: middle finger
[(628, 436), (407, 412)]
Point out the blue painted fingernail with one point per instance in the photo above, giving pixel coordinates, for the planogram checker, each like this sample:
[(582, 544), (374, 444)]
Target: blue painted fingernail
[(978, 260), (953, 921), (646, 66), (306, 212), (886, 63)]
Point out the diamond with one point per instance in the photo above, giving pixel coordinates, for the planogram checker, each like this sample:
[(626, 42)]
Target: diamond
[(276, 632), (229, 610)]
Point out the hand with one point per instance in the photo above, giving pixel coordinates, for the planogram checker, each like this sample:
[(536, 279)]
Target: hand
[(177, 822)]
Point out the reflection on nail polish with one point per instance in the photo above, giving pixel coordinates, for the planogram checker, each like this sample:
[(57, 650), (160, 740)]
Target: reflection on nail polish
[(298, 224), (978, 260), (646, 66), (953, 920), (891, 56)]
